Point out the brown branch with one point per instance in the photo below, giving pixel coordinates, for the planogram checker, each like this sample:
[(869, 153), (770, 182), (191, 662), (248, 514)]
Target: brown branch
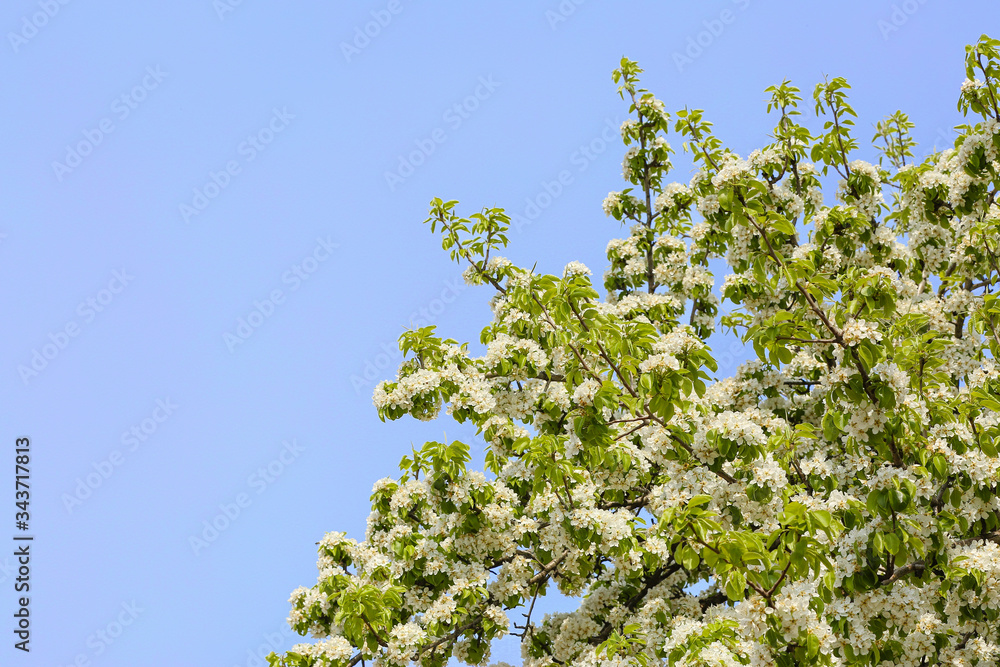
[(715, 598), (805, 480), (378, 637), (985, 537), (916, 567), (784, 573), (809, 341)]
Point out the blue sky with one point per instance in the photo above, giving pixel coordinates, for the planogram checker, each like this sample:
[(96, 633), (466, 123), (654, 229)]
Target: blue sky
[(211, 239)]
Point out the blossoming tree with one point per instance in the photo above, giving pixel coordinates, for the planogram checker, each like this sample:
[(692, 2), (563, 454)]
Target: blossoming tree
[(835, 502)]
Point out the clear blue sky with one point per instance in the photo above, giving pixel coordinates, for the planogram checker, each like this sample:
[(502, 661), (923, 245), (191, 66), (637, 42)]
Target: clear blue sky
[(213, 157)]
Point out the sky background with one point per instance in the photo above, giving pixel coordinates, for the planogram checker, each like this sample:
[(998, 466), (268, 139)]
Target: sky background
[(121, 308)]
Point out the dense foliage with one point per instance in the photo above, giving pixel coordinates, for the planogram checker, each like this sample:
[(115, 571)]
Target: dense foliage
[(835, 502)]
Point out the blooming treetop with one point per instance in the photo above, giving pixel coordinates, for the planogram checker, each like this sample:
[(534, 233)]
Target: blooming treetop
[(836, 499)]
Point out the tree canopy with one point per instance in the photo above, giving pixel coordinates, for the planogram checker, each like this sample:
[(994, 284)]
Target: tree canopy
[(835, 502)]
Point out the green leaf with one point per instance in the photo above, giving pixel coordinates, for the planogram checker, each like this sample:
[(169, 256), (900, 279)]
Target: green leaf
[(736, 586)]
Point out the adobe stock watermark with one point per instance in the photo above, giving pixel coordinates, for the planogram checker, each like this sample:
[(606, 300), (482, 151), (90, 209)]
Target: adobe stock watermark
[(259, 481), (730, 353), (32, 23), (105, 637), (87, 311), (374, 369), (899, 17), (248, 149), (714, 28), (263, 309), (121, 108), (551, 190), (131, 440), (273, 642), (562, 12), (947, 137), (223, 7), (364, 34), (454, 116)]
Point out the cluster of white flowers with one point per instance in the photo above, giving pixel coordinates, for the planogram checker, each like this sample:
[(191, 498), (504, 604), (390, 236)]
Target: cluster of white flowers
[(630, 154), (610, 202), (708, 205), (971, 84), (732, 169), (628, 128), (576, 269), (697, 276), (504, 345), (865, 418), (584, 393), (869, 200), (404, 639), (614, 199), (737, 427), (791, 204), (647, 104), (764, 159), (472, 275), (671, 264), (768, 472), (407, 387), (668, 198), (856, 331), (659, 363), (891, 374), (333, 649)]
